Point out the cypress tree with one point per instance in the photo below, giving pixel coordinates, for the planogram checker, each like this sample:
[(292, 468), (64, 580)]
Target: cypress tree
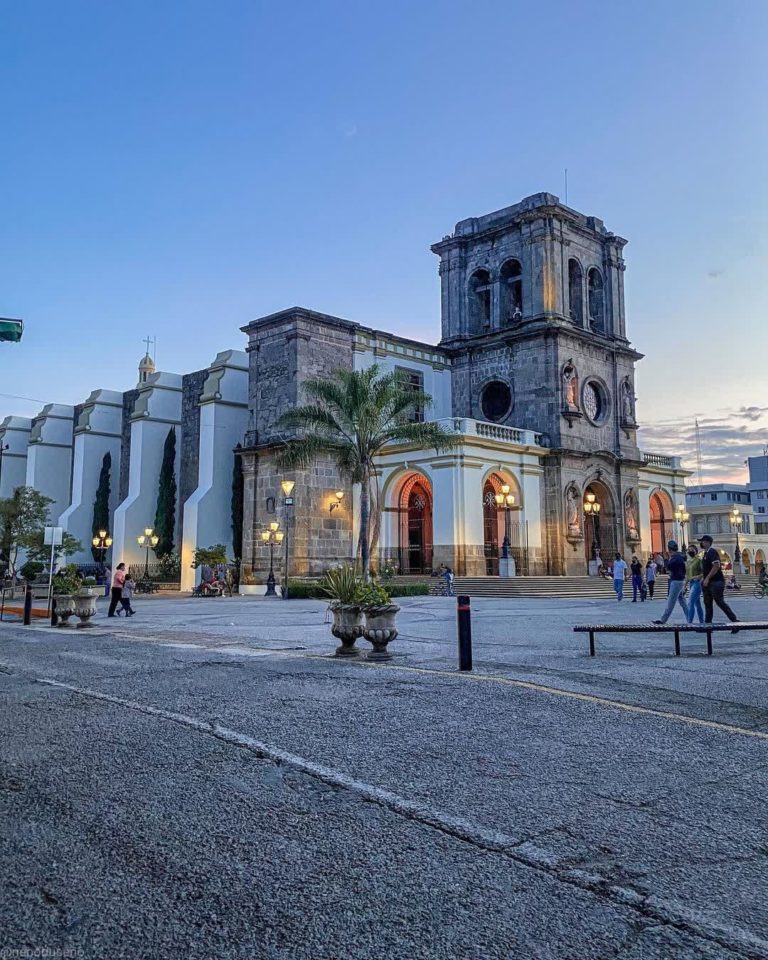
[(237, 505), (165, 515), (101, 503)]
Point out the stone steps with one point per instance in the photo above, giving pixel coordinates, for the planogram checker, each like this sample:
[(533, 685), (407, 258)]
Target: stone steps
[(531, 587)]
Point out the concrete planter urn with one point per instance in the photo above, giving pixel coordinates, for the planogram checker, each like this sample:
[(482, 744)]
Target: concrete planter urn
[(65, 608), (347, 627), (380, 629), (84, 604)]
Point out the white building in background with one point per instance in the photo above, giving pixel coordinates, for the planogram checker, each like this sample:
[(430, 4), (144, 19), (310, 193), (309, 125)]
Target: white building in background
[(14, 441), (49, 456)]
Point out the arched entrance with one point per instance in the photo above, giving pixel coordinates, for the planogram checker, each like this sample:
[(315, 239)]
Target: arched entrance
[(746, 561), (600, 525), (498, 523), (415, 526), (662, 521), (759, 560)]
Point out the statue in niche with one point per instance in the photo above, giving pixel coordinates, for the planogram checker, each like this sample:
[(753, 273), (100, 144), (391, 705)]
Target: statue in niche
[(627, 403), (630, 514), (570, 385), (573, 511)]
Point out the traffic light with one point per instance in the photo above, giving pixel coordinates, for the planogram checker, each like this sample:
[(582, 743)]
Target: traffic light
[(11, 330)]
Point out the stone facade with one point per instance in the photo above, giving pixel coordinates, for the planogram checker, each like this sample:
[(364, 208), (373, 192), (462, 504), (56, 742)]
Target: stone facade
[(191, 389)]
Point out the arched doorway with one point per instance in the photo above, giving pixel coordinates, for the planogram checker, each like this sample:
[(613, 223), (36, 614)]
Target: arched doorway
[(662, 521), (746, 561), (491, 538), (415, 526), (759, 560), (599, 525), (500, 523)]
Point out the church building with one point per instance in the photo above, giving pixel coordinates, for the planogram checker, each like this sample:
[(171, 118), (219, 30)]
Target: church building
[(533, 370)]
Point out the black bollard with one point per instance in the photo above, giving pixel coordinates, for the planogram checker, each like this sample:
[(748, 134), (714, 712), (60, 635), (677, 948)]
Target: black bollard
[(27, 607), (54, 615), (464, 619)]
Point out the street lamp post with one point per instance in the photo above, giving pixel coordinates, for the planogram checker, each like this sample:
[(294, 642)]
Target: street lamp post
[(102, 543), (505, 501), (736, 520), (287, 488), (592, 509), (682, 516), (272, 536), (3, 448), (147, 539)]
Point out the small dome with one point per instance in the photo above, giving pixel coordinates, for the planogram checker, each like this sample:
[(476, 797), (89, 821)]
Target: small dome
[(146, 368)]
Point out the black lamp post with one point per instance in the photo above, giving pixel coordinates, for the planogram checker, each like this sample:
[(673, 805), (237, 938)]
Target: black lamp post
[(102, 543), (736, 520), (147, 539), (505, 501), (3, 448), (272, 536), (287, 488), (592, 509), (682, 516)]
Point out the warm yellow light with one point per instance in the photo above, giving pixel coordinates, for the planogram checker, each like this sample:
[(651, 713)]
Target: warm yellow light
[(596, 507), (155, 541), (287, 487), (591, 498), (275, 525), (95, 541), (141, 539), (148, 531), (108, 541), (265, 535), (280, 536), (505, 488), (588, 507), (499, 498), (339, 494), (102, 533), (510, 499)]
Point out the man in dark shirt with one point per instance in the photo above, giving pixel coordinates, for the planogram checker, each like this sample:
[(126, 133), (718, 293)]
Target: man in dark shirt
[(676, 570), (637, 579), (713, 584)]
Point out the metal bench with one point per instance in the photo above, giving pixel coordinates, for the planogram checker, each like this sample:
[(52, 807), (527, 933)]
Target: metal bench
[(676, 628)]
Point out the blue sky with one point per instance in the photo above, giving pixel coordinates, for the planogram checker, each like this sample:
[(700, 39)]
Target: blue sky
[(178, 168)]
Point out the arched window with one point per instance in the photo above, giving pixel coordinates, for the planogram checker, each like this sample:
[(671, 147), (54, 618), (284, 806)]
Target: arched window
[(576, 292), (479, 301), (596, 299), (511, 292)]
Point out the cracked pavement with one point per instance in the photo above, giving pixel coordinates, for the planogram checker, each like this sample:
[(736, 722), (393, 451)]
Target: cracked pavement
[(210, 784)]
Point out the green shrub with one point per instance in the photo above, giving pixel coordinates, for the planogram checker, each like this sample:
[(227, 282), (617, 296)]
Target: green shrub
[(32, 569), (306, 590), (409, 590)]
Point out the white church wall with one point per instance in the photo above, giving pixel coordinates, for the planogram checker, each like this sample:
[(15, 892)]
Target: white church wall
[(223, 422), (97, 432), (391, 353), (665, 474), (14, 432), (49, 456), (157, 409)]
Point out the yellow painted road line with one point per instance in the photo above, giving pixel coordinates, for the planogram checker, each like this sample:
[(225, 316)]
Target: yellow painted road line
[(570, 694)]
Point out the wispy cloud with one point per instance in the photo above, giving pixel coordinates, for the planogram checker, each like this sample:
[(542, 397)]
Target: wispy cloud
[(727, 439)]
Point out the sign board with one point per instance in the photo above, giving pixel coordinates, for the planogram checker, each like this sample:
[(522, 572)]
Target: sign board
[(11, 329), (54, 536)]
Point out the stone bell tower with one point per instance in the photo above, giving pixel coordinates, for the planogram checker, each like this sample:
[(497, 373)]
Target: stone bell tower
[(533, 316)]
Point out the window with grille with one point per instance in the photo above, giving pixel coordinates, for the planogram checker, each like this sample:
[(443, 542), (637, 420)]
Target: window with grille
[(412, 380)]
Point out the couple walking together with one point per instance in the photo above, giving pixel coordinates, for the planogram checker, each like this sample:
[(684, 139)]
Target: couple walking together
[(121, 592)]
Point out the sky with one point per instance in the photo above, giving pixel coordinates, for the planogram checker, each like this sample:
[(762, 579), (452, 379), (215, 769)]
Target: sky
[(175, 169)]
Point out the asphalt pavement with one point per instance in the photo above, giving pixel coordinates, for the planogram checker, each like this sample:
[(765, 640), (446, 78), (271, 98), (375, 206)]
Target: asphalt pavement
[(204, 781)]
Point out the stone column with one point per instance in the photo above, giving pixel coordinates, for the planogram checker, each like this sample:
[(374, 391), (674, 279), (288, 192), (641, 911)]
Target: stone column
[(223, 422), (157, 409), (97, 432), (49, 456), (14, 432)]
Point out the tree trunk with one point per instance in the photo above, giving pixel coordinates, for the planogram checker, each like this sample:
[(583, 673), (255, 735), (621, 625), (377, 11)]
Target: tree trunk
[(375, 514), (364, 539)]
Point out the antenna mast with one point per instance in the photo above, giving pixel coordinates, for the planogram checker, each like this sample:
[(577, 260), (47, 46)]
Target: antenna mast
[(698, 450)]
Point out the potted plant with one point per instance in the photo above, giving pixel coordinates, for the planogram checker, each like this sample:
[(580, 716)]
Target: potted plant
[(65, 584), (380, 615), (84, 600), (344, 588)]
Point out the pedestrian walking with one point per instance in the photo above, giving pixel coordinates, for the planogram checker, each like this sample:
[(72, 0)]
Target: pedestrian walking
[(713, 583), (448, 581), (637, 579), (693, 578), (650, 576), (619, 575), (107, 580), (676, 571), (116, 593), (127, 595)]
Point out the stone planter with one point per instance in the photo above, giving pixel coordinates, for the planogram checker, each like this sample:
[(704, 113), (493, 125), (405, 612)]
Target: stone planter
[(65, 608), (380, 629), (84, 604), (347, 627)]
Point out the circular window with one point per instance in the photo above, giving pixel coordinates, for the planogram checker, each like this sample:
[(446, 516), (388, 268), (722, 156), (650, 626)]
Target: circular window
[(496, 400), (595, 401)]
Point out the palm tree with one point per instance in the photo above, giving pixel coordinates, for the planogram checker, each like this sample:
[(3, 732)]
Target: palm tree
[(351, 417)]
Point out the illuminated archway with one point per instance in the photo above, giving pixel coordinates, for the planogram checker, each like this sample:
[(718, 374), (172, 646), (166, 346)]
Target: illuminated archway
[(662, 521), (600, 526), (498, 523), (414, 508)]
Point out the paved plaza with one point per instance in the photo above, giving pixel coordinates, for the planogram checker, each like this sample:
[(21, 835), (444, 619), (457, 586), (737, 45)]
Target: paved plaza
[(205, 781)]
